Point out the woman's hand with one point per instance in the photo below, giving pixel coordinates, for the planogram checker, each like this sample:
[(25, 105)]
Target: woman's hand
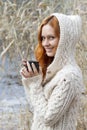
[(27, 71)]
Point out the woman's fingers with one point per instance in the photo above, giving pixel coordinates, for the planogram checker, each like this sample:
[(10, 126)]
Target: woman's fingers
[(24, 62), (25, 73), (29, 67), (29, 70), (34, 68)]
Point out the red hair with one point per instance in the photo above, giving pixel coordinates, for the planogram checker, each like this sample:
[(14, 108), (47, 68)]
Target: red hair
[(40, 53)]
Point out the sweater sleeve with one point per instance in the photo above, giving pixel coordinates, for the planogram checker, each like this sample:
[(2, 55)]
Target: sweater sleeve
[(28, 84), (59, 101)]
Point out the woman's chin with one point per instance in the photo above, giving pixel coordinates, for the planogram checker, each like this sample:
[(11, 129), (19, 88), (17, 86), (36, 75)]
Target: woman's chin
[(50, 54)]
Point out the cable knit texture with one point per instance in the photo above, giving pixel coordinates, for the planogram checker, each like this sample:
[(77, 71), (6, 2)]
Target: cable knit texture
[(55, 103)]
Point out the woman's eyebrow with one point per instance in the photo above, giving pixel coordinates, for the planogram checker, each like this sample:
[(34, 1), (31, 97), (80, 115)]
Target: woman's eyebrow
[(48, 35)]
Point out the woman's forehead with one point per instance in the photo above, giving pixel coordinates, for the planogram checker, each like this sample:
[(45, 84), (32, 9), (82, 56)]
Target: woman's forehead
[(48, 29)]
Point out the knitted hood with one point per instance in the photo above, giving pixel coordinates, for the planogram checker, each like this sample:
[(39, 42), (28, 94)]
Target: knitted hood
[(70, 30)]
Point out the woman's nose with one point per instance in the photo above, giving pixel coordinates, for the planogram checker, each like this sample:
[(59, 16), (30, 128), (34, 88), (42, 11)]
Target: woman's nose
[(46, 42)]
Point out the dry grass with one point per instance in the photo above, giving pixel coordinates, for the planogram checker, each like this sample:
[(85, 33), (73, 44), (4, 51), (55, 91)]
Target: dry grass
[(18, 31), (19, 23)]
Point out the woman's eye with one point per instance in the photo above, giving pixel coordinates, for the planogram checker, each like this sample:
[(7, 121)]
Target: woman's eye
[(51, 37), (48, 38), (43, 38)]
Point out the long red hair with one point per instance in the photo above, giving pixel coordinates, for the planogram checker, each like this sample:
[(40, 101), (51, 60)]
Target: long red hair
[(40, 53)]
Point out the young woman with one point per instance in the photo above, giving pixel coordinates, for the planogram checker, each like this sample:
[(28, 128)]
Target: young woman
[(54, 93)]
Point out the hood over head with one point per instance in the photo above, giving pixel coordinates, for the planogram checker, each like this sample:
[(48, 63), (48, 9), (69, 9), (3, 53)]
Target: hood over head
[(70, 30)]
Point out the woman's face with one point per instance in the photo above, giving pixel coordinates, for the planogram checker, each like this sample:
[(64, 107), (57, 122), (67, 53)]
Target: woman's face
[(49, 40)]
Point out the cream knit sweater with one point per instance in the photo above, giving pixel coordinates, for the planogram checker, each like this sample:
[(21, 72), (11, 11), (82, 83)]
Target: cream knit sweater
[(55, 103)]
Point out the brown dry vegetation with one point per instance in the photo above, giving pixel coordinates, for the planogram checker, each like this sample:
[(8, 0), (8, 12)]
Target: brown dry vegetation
[(18, 31)]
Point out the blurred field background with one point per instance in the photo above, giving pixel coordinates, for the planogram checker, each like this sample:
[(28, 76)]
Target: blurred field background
[(19, 21)]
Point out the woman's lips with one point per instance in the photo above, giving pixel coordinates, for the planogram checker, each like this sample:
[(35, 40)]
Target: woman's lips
[(48, 49)]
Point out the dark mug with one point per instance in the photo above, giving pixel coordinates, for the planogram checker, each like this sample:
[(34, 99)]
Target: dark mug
[(35, 63)]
